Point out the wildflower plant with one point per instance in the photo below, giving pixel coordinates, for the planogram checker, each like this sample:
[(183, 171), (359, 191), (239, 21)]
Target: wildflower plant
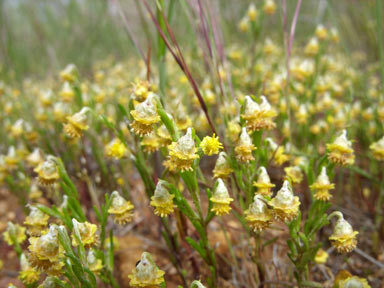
[(249, 147)]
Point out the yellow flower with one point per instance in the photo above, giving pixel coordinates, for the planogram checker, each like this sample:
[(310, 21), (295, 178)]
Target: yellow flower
[(115, 149), (279, 156), (46, 97), (321, 32), (252, 12), (321, 257), (35, 158), (258, 216), (352, 282), (377, 149), (312, 47), (67, 93), (151, 143), (245, 147), (340, 151), (293, 174), (162, 200), (18, 128), (335, 35), (164, 137), (28, 275), (45, 251), (61, 111), (120, 208), (258, 117), (14, 234), (269, 47), (11, 159), (302, 114), (285, 204), (234, 129), (343, 237), (146, 273), (220, 199), (47, 172), (36, 221), (141, 89), (269, 7), (244, 24), (182, 120), (94, 264), (322, 186), (76, 124), (145, 116), (85, 232), (182, 153), (222, 168), (69, 73), (263, 183), (211, 145)]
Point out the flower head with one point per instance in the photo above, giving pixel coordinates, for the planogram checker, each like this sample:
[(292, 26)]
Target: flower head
[(36, 221), (151, 143), (244, 147), (76, 124), (321, 32), (120, 208), (343, 237), (322, 186), (321, 256), (377, 149), (252, 12), (211, 145), (94, 264), (279, 156), (220, 199), (146, 273), (67, 93), (47, 172), (15, 234), (182, 153), (69, 73), (45, 251), (35, 158), (11, 159), (285, 204), (141, 89), (353, 282), (222, 168), (263, 183), (340, 151), (115, 149), (258, 117), (312, 48), (28, 274), (162, 200), (294, 174), (164, 138), (269, 7), (145, 116), (85, 233), (258, 215)]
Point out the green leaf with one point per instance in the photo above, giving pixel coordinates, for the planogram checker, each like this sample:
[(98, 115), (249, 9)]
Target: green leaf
[(197, 247)]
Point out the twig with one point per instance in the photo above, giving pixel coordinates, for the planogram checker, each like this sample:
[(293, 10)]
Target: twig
[(130, 34), (369, 258)]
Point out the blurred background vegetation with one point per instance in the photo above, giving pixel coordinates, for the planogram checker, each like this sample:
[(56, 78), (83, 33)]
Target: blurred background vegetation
[(41, 36)]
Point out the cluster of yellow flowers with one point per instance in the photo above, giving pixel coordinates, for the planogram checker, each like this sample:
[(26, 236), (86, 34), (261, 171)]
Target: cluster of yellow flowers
[(261, 138)]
